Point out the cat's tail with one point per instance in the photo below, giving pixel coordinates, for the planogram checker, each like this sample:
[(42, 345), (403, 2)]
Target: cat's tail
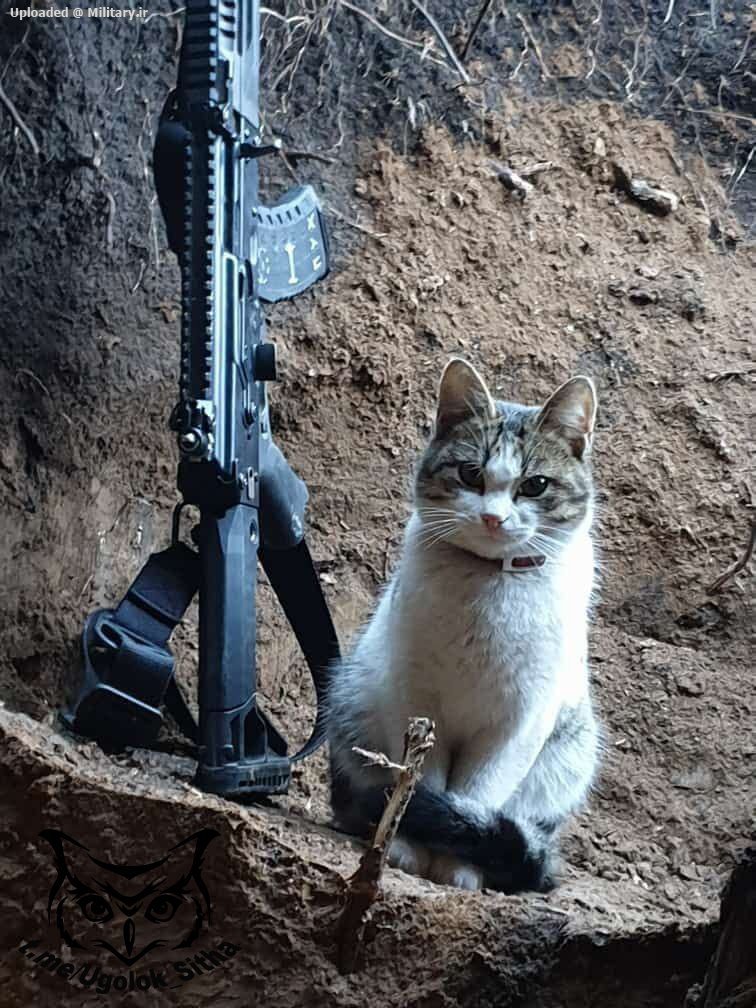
[(512, 856)]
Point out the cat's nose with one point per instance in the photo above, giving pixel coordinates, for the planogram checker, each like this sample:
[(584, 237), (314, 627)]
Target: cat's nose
[(491, 521)]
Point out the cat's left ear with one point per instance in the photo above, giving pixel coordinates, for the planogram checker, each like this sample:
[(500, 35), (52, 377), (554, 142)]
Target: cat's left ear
[(462, 395), (571, 412)]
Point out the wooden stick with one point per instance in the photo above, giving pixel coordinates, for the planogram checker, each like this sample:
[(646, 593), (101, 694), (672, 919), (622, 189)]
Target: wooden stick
[(16, 117), (536, 169), (536, 48), (364, 885), (738, 566), (445, 43), (474, 30)]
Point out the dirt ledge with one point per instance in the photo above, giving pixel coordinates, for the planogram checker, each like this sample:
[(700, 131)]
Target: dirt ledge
[(277, 883)]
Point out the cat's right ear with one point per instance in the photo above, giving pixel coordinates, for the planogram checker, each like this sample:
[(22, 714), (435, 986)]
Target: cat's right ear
[(571, 411), (462, 395)]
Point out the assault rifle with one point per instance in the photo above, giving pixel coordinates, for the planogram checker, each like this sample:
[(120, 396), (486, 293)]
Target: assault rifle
[(234, 254)]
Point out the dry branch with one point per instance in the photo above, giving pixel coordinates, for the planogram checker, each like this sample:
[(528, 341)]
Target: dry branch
[(16, 117), (534, 43), (380, 27), (536, 168), (444, 41), (474, 30), (737, 567), (364, 885)]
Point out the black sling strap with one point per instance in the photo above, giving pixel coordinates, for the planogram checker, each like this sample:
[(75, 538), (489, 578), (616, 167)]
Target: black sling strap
[(128, 667), (295, 581)]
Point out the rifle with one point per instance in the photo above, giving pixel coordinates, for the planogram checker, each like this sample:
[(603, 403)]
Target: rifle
[(234, 253)]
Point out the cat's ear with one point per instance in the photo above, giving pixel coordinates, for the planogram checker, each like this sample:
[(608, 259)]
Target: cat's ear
[(462, 395), (571, 412)]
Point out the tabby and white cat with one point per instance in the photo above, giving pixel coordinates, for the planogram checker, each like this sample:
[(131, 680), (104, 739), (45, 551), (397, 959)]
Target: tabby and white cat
[(483, 628)]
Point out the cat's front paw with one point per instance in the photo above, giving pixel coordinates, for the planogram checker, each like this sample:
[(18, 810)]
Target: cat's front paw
[(408, 857), (448, 870)]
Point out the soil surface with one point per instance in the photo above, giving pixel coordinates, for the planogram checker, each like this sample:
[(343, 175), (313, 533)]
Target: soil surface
[(433, 257)]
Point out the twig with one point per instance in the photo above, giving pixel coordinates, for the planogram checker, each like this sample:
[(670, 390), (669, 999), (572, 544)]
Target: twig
[(364, 885), (725, 375), (164, 14), (381, 28), (521, 60), (716, 112), (745, 50), (738, 566), (744, 169), (16, 117), (668, 15), (536, 168), (30, 374), (536, 48), (474, 30), (305, 155), (510, 178), (445, 43), (378, 759)]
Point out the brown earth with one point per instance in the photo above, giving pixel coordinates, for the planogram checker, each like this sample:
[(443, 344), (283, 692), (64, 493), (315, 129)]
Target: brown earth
[(444, 261)]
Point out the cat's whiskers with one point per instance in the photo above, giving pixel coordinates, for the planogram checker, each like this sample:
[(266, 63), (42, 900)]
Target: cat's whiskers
[(554, 528), (434, 531), (476, 449), (432, 511), (547, 542), (435, 538), (549, 548)]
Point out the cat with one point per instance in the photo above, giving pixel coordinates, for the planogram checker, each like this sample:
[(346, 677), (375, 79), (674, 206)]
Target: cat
[(483, 628), (129, 910)]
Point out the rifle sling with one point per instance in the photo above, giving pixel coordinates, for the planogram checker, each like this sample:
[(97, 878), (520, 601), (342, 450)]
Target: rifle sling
[(295, 581), (126, 648), (139, 663)]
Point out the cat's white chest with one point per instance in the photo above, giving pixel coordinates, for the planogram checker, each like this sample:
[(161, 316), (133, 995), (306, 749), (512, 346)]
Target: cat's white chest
[(475, 648)]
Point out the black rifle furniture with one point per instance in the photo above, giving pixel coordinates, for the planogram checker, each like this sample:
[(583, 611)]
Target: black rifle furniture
[(234, 254)]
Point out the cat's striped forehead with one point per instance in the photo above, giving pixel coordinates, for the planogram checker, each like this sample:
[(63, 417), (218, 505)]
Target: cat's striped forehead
[(507, 449), (498, 445)]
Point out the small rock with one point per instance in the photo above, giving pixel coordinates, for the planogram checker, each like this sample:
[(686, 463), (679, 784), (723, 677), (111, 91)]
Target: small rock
[(642, 295), (689, 684), (658, 201)]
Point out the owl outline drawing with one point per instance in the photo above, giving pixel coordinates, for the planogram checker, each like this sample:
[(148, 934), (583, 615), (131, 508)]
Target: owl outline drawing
[(129, 910)]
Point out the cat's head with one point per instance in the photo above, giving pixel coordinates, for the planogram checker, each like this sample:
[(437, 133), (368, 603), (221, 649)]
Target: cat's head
[(129, 910), (500, 478)]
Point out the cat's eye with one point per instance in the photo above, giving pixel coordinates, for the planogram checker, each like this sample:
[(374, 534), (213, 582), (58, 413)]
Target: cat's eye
[(95, 908), (471, 475), (533, 486), (162, 908)]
